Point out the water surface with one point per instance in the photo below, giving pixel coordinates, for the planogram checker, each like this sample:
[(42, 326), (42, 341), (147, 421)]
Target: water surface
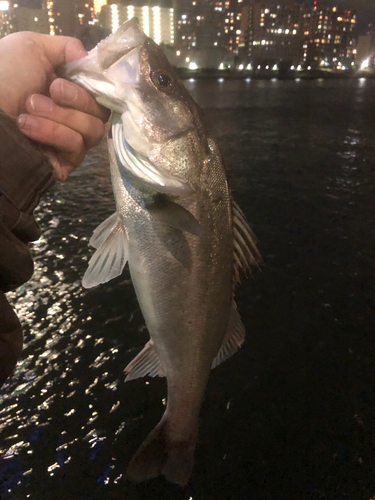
[(291, 416)]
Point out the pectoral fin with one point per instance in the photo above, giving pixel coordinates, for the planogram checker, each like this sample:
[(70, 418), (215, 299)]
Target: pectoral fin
[(111, 255), (141, 168), (145, 363), (104, 229), (171, 214), (234, 338)]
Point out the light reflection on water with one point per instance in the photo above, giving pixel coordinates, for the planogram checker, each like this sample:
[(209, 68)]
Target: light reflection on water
[(300, 159)]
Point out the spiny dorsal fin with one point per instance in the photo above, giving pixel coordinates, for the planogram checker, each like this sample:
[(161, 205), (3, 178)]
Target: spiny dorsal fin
[(246, 253), (111, 255), (145, 363), (233, 339)]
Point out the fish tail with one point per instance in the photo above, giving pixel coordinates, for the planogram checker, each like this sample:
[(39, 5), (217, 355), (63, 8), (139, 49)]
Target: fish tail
[(159, 454)]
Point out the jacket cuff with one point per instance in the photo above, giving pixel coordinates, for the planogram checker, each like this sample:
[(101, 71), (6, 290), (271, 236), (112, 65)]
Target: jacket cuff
[(11, 339), (25, 172)]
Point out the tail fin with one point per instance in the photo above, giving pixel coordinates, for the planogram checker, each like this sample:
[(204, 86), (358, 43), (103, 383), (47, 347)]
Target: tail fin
[(158, 455)]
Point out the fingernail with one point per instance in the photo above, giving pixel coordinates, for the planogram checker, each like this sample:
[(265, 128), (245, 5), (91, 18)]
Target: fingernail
[(27, 122), (41, 104), (68, 91)]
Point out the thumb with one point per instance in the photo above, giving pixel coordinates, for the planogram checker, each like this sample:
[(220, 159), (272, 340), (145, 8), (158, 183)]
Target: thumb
[(62, 49)]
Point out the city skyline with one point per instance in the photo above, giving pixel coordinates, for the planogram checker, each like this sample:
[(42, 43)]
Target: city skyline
[(231, 33), (365, 8)]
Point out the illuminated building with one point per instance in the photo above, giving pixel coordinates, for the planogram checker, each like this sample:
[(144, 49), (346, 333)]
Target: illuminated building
[(156, 22), (197, 23), (232, 29), (328, 37), (205, 24), (273, 34)]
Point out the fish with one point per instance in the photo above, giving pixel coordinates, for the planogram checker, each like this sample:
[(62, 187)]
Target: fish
[(185, 240)]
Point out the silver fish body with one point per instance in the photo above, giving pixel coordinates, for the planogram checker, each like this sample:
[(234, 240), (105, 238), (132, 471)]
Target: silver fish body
[(184, 239)]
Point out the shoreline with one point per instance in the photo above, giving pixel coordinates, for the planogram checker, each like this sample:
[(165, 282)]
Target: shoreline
[(186, 74)]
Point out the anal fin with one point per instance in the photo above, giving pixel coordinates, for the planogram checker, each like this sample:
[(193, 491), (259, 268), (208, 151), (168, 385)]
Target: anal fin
[(233, 339), (145, 363)]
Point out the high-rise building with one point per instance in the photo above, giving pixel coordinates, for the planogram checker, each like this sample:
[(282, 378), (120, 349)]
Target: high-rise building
[(205, 24), (198, 24), (328, 36), (156, 22), (273, 33), (232, 27), (311, 36)]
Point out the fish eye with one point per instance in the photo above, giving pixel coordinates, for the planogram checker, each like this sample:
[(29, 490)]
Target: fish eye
[(161, 80)]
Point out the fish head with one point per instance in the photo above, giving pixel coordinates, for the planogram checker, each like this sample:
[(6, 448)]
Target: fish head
[(130, 74)]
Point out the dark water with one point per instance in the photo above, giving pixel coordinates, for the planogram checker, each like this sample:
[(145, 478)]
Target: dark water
[(291, 416)]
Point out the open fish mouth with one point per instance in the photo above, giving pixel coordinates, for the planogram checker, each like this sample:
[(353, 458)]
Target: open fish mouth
[(111, 67)]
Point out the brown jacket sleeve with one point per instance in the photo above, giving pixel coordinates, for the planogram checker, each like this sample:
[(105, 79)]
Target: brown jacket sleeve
[(25, 173)]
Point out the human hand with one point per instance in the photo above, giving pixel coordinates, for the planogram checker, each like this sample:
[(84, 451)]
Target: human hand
[(49, 110)]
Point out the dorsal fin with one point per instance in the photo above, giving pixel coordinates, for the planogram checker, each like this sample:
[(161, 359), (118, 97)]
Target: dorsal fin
[(246, 253)]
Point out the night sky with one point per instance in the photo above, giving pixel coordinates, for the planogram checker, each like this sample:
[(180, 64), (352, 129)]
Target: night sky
[(365, 9)]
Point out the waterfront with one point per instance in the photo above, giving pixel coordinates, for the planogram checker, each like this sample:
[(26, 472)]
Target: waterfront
[(291, 416)]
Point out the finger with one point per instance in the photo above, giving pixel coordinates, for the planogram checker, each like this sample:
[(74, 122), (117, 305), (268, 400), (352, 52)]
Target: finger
[(62, 49), (68, 143), (69, 94), (88, 126)]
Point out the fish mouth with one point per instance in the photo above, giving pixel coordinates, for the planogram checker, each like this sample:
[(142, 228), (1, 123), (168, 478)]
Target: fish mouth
[(110, 67)]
